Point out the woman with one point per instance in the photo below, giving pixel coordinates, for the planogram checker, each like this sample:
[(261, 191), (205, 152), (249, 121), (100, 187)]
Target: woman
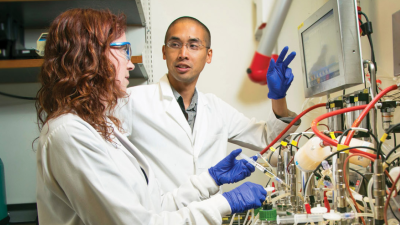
[(88, 172)]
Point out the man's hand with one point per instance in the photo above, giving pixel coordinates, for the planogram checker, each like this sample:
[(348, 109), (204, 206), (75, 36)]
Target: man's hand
[(230, 170), (279, 75), (246, 196)]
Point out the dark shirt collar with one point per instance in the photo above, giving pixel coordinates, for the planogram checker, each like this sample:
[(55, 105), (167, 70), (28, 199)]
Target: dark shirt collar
[(193, 102)]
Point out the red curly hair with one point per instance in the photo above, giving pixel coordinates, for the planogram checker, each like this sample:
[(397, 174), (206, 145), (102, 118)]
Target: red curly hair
[(77, 75)]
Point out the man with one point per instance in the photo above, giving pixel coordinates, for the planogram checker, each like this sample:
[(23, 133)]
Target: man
[(183, 131)]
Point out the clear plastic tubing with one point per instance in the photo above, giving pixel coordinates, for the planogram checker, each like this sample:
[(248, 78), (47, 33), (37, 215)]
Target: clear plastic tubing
[(353, 215), (299, 218)]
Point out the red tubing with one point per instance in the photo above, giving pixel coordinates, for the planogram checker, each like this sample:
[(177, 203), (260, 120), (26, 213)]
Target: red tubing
[(331, 141), (366, 110), (326, 115), (291, 124)]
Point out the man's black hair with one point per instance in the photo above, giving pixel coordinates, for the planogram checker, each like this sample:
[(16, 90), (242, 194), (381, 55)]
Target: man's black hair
[(208, 42)]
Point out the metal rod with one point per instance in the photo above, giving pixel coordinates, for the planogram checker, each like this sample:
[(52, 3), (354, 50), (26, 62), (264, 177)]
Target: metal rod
[(373, 113)]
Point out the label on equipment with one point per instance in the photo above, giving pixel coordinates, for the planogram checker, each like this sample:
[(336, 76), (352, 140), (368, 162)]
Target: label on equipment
[(333, 135)]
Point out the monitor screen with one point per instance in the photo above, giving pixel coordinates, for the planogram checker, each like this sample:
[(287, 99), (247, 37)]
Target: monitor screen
[(321, 51)]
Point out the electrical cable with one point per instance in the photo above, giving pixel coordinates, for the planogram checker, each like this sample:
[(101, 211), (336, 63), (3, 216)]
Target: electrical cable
[(291, 124), (366, 18), (307, 182), (345, 177), (326, 115), (18, 97), (329, 141), (370, 41), (287, 169), (268, 182), (388, 198), (390, 178), (345, 149), (362, 175), (327, 127), (365, 112), (390, 207), (387, 161), (346, 182), (384, 137), (346, 131)]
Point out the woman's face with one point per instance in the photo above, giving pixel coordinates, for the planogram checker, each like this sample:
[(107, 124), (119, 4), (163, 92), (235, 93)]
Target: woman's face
[(121, 63)]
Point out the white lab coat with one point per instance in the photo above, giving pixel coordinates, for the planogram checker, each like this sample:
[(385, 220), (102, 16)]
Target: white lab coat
[(155, 124), (83, 179)]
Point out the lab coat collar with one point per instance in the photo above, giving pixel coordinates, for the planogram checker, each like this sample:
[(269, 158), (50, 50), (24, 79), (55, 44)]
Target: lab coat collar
[(166, 91), (173, 109), (135, 152)]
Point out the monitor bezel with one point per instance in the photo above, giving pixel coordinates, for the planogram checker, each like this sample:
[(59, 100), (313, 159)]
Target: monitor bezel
[(348, 39)]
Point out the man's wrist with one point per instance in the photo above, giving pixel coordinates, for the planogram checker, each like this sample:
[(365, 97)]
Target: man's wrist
[(279, 107)]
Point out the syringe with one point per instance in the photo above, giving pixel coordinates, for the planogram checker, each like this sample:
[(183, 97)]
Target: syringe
[(263, 169)]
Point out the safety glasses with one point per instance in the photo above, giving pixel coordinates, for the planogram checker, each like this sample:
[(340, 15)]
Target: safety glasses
[(125, 46)]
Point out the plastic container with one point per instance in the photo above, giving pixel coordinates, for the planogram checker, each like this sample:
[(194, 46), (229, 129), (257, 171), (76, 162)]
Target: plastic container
[(319, 210), (311, 154), (274, 158), (267, 215), (394, 172), (359, 160)]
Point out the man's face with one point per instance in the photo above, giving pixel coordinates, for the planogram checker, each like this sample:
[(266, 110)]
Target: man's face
[(185, 64)]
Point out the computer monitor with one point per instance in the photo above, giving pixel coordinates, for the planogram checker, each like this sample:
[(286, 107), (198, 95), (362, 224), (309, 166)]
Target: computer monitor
[(330, 48)]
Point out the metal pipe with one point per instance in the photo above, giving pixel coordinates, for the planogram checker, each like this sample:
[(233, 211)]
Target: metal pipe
[(373, 113), (340, 185), (293, 187), (274, 26), (379, 191), (280, 173), (286, 160)]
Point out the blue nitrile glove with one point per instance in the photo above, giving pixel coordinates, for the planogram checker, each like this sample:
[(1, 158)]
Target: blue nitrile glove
[(279, 76), (246, 196), (230, 170)]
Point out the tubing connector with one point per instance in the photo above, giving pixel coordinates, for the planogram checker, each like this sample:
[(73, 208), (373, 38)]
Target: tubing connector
[(293, 188), (280, 172), (379, 189), (340, 185)]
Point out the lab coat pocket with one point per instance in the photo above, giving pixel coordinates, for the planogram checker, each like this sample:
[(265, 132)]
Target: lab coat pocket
[(213, 150)]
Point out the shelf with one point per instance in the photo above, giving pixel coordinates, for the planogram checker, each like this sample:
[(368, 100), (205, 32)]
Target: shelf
[(40, 13), (27, 70)]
